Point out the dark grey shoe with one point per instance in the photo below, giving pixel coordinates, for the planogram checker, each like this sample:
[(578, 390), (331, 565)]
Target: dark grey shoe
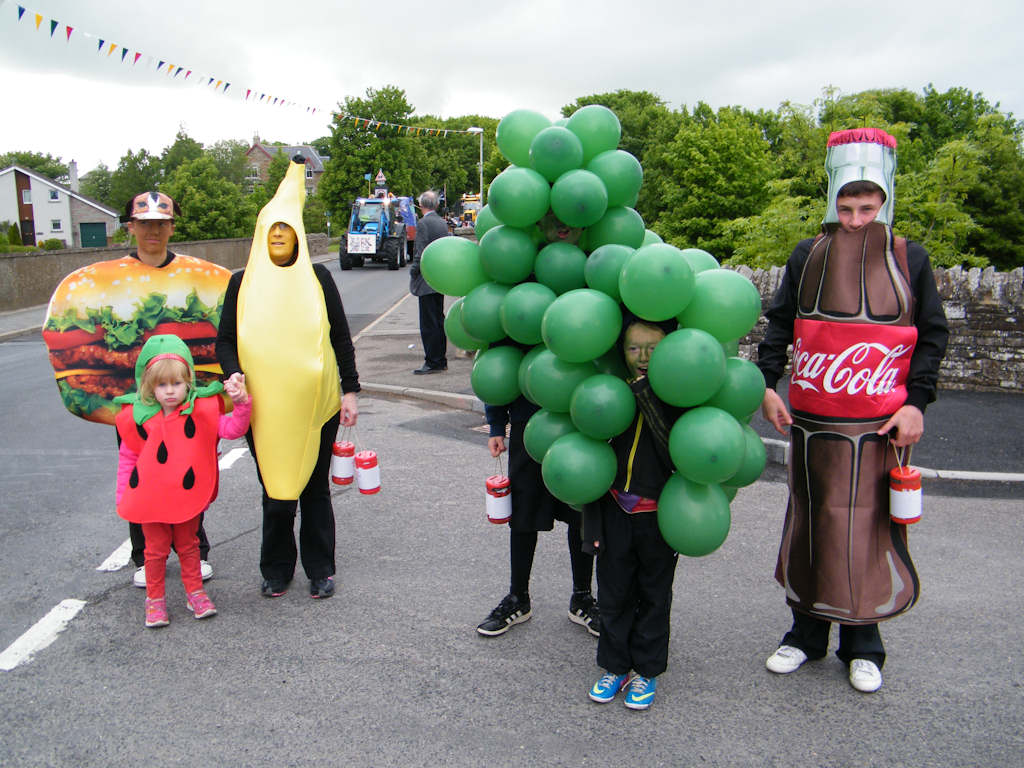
[(321, 587), (511, 610)]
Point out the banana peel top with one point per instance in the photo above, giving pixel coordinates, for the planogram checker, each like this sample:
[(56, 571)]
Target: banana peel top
[(284, 347)]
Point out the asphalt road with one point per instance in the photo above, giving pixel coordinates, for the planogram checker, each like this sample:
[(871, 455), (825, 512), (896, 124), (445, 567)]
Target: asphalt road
[(390, 672)]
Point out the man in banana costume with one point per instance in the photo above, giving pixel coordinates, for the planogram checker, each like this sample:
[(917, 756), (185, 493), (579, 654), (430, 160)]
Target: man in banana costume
[(284, 327)]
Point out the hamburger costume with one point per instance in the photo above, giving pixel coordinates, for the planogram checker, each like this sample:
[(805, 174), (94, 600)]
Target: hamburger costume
[(868, 333)]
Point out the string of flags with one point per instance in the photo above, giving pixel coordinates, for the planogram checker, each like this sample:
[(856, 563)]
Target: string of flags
[(128, 56)]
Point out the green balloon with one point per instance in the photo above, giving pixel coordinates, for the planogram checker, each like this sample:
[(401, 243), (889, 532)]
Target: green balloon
[(578, 198), (706, 445), (551, 381), (560, 267), (687, 367), (656, 283), (611, 362), (731, 347), (554, 151), (578, 469), (603, 267), (700, 260), (542, 429), (524, 366), (725, 304), (621, 174), (523, 309), (602, 406), (650, 238), (516, 132), (742, 389), (495, 375), (618, 225), (729, 491), (485, 221), (456, 331), (693, 519), (507, 254), (754, 458), (581, 325), (519, 197), (481, 312), (451, 265), (598, 129)]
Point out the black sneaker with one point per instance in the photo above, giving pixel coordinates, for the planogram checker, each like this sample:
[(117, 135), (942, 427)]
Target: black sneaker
[(583, 611), (321, 587), (511, 610), (273, 587)]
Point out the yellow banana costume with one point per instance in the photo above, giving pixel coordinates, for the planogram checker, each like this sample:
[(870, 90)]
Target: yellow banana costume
[(284, 347)]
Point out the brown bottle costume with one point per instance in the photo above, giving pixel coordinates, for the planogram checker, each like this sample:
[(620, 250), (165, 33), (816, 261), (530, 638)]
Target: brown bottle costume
[(841, 558)]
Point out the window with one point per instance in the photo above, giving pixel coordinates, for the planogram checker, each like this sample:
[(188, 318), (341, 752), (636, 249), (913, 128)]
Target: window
[(54, 196), (56, 225), (309, 172), (254, 171), (26, 196)]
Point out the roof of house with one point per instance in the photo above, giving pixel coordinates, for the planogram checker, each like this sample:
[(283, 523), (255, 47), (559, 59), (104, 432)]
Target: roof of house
[(50, 182), (312, 156)]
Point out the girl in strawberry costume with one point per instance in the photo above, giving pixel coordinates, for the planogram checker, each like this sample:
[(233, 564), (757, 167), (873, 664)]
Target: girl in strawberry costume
[(167, 464)]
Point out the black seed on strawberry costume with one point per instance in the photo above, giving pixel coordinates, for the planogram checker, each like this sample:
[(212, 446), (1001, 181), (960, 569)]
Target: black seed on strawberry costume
[(133, 481), (161, 453), (190, 428), (189, 480), (141, 431)]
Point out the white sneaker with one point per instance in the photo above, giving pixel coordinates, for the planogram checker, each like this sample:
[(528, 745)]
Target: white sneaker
[(206, 570), (865, 675), (786, 659), (139, 579)]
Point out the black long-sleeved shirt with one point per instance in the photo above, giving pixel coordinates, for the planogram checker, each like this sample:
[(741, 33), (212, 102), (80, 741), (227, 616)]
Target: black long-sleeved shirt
[(929, 319), (341, 339)]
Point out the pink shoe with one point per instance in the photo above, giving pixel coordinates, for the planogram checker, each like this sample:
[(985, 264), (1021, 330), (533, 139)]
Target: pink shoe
[(156, 612), (201, 605)]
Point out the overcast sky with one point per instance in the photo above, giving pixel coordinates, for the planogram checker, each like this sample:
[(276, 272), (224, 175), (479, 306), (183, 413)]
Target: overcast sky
[(64, 98)]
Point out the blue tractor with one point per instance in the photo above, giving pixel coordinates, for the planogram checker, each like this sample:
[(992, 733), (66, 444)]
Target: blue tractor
[(376, 231)]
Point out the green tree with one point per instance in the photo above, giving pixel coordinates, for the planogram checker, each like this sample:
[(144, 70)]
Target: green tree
[(212, 207), (719, 170), (180, 152), (136, 172), (766, 239), (51, 167), (314, 215), (229, 157), (96, 185)]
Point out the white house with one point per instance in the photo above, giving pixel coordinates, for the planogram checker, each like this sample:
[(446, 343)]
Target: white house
[(45, 209)]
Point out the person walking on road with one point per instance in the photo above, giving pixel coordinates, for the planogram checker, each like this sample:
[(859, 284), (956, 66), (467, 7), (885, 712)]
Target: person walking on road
[(430, 228), (868, 332)]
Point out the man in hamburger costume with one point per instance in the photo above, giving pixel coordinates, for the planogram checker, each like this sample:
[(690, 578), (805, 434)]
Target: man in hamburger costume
[(100, 316), (861, 310)]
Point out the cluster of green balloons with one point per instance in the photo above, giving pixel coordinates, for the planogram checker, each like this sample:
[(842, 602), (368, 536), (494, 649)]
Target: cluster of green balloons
[(563, 302)]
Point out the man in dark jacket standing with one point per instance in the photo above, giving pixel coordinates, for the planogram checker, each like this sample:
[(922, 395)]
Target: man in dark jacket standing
[(430, 228)]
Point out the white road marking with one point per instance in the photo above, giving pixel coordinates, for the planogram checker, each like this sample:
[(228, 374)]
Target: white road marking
[(119, 559), (40, 635), (231, 457), (368, 328)]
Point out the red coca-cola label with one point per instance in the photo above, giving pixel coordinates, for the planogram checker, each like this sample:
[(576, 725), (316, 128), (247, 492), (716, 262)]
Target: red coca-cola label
[(851, 370)]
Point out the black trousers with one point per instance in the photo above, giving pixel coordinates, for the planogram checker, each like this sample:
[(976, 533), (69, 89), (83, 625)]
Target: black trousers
[(278, 553), (810, 635), (635, 570), (435, 343)]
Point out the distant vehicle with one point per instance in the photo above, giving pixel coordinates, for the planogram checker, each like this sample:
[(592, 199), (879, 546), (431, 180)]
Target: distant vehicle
[(376, 231), (471, 205), (407, 213)]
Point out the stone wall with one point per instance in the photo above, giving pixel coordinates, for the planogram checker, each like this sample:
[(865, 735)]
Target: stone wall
[(28, 279), (985, 310)]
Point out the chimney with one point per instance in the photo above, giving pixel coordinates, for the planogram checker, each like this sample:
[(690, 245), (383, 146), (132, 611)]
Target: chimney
[(73, 176)]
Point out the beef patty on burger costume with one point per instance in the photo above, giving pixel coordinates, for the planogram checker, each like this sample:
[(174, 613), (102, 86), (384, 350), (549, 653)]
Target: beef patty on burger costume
[(860, 308), (100, 316)]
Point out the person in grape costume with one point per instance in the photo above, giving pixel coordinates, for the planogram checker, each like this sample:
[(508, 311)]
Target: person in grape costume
[(635, 566), (860, 308)]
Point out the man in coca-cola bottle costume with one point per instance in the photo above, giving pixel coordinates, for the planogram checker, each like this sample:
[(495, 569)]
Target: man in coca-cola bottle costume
[(860, 308)]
